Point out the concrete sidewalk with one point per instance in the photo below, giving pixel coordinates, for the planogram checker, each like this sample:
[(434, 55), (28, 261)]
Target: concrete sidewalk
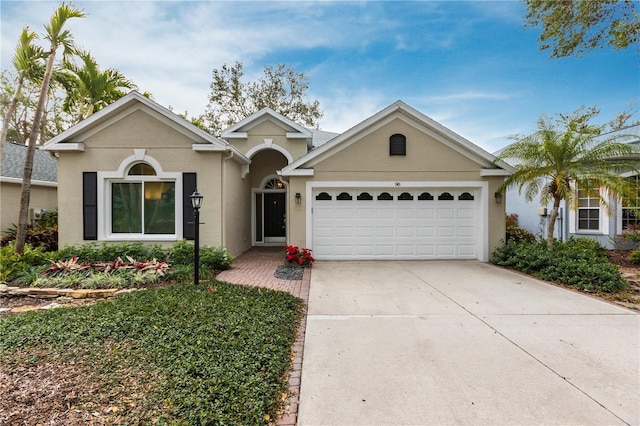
[(416, 343)]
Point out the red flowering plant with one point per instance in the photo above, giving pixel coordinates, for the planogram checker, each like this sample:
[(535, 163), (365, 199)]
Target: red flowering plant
[(300, 256)]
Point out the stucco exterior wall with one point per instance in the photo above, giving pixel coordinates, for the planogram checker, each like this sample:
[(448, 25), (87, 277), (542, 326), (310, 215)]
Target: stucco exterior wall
[(107, 149), (236, 220), (42, 197)]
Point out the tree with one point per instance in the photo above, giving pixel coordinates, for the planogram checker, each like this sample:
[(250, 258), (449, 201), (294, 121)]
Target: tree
[(575, 27), (57, 37), (27, 61), (89, 89), (567, 154), (281, 89)]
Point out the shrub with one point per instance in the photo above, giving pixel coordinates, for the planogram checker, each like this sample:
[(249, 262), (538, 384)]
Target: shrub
[(212, 259), (299, 256), (581, 263), (518, 234), (104, 252), (14, 265), (42, 233), (634, 256)]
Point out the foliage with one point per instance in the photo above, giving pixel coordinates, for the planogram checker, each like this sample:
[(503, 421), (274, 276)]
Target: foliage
[(634, 256), (58, 38), (212, 259), (514, 233), (281, 89), (20, 119), (579, 26), (578, 262), (183, 354), (89, 89), (564, 156), (93, 259), (104, 252), (300, 256), (13, 265), (42, 233)]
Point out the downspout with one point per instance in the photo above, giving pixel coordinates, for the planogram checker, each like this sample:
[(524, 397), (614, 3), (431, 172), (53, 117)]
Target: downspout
[(223, 182)]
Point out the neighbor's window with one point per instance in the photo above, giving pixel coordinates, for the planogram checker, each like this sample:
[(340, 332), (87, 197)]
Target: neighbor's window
[(630, 215), (588, 211), (143, 204)]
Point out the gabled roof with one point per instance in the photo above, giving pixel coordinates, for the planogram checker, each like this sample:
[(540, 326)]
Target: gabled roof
[(45, 167), (73, 138), (241, 128), (412, 116)]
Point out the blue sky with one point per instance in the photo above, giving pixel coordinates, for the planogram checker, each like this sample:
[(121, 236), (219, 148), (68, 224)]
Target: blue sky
[(471, 65)]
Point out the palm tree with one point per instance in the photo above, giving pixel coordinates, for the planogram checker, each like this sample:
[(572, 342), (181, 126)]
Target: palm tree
[(57, 38), (89, 89), (568, 154), (27, 62)]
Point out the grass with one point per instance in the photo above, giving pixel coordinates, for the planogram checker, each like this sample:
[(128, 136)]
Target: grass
[(210, 354)]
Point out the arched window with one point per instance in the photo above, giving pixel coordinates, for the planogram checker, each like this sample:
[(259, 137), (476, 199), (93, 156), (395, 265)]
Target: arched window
[(405, 196), (425, 196), (385, 196), (323, 196), (365, 196), (344, 196), (397, 144), (445, 196), (466, 196), (273, 184)]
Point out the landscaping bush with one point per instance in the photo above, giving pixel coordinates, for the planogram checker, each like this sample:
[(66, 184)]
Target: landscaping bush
[(212, 259), (104, 252), (13, 266), (634, 256), (89, 261), (579, 262), (514, 232)]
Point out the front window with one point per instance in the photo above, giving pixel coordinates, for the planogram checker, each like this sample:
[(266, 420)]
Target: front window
[(141, 202), (143, 207), (588, 211)]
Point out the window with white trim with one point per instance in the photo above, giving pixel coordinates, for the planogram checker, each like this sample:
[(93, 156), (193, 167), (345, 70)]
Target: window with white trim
[(588, 211), (140, 202)]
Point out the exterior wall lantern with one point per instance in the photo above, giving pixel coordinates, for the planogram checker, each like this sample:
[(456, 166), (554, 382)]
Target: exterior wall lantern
[(298, 198), (498, 196), (196, 203)]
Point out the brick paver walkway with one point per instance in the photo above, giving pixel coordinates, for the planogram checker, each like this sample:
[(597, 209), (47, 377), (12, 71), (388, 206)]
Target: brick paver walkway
[(255, 267)]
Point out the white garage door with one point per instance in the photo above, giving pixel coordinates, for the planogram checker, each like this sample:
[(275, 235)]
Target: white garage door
[(396, 224)]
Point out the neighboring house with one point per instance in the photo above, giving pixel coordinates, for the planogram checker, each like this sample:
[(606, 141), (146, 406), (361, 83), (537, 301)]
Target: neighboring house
[(396, 186), (43, 183), (589, 220)]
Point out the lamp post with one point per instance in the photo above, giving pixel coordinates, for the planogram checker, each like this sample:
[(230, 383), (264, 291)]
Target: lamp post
[(196, 203)]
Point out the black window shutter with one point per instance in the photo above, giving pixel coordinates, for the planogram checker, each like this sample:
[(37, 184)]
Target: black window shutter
[(189, 184), (90, 205)]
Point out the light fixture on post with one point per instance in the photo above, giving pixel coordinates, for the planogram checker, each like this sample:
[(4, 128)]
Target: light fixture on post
[(196, 203), (498, 196), (298, 198)]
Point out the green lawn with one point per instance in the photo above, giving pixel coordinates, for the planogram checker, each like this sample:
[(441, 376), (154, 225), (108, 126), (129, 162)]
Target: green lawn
[(216, 353)]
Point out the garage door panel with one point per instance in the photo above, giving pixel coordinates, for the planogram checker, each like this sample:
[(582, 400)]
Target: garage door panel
[(391, 227)]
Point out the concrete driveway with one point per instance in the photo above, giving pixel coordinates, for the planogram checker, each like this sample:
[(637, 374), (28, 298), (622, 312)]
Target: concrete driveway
[(462, 342)]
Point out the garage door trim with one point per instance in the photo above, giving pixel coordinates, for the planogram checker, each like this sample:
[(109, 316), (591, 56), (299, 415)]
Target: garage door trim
[(480, 186)]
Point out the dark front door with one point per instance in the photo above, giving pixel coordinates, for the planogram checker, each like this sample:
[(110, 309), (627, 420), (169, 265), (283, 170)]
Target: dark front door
[(274, 215)]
